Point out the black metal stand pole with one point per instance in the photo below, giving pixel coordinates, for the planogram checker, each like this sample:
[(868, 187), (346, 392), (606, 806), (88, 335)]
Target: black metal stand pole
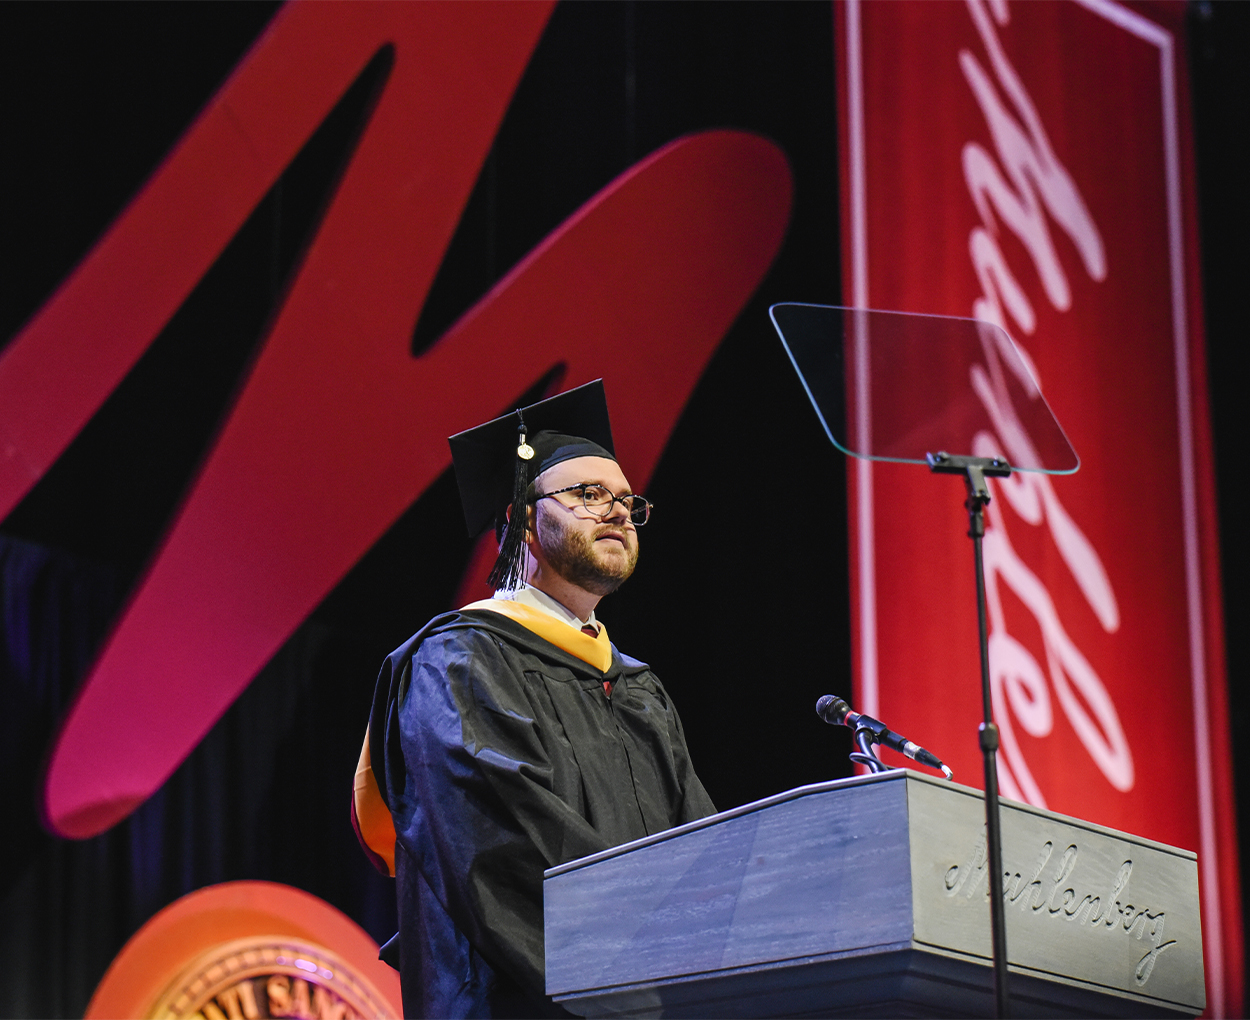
[(974, 470)]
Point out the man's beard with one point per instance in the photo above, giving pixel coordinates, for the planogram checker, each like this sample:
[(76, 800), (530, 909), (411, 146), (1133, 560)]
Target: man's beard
[(575, 557)]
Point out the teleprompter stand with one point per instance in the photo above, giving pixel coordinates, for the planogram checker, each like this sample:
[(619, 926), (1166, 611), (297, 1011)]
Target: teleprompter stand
[(981, 396), (974, 471)]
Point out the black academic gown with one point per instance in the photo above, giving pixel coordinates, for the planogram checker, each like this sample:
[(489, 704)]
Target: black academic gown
[(501, 755)]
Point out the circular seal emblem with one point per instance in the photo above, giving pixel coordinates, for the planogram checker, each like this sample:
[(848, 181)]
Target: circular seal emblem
[(248, 951), (267, 976)]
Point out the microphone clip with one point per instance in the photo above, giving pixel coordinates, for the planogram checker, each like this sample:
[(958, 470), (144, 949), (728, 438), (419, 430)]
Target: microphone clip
[(866, 756), (869, 731)]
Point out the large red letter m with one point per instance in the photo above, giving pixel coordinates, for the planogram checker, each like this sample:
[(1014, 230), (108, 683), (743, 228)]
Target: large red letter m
[(338, 428)]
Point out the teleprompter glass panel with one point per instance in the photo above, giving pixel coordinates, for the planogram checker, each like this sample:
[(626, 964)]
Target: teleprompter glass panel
[(969, 389)]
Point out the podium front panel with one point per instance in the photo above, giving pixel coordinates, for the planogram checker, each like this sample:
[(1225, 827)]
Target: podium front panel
[(1084, 903), (870, 894)]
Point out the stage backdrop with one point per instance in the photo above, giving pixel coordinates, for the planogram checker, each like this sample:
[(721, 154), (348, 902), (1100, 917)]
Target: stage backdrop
[(1030, 164)]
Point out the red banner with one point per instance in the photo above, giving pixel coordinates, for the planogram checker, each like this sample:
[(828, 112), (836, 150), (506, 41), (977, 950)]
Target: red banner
[(1029, 164)]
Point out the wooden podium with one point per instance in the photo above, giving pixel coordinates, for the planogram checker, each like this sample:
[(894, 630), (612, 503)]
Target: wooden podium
[(868, 897)]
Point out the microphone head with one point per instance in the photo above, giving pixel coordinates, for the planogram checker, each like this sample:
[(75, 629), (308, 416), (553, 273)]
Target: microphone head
[(832, 709)]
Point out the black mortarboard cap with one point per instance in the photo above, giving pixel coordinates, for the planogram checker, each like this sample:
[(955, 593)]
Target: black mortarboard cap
[(494, 470)]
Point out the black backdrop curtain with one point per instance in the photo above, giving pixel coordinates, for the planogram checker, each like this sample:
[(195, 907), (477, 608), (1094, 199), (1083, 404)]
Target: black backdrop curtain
[(264, 796), (95, 94)]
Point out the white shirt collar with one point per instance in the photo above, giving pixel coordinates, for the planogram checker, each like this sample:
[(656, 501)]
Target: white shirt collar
[(530, 596)]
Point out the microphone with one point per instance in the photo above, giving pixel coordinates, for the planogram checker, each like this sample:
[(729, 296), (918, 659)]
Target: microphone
[(837, 712)]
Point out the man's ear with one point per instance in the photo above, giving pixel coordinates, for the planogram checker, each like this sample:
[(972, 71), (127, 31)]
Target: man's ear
[(531, 516)]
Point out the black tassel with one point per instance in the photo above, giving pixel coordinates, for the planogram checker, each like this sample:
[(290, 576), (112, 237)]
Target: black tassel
[(509, 570)]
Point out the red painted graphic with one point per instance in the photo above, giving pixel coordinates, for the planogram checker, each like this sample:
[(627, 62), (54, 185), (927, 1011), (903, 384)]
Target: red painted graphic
[(338, 429)]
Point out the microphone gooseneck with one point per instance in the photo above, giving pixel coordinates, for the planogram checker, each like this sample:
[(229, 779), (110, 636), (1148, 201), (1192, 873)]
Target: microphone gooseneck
[(837, 712)]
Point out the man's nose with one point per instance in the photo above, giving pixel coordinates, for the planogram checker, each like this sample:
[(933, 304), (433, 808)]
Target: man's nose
[(617, 511)]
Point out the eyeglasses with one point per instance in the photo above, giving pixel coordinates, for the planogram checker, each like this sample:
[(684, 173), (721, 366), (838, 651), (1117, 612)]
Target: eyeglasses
[(599, 500)]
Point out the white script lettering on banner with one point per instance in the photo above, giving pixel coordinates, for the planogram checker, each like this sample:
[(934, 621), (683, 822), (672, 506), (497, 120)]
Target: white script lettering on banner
[(1021, 185)]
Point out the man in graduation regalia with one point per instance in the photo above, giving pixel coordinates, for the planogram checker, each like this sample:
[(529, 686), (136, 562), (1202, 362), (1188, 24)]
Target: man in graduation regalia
[(512, 736)]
